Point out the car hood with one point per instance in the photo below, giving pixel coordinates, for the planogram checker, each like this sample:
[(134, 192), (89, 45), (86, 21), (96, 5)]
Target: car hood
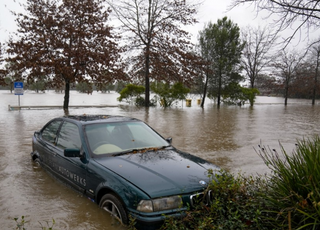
[(161, 173)]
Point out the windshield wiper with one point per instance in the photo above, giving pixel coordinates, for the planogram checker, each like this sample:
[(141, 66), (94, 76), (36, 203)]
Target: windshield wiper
[(142, 150)]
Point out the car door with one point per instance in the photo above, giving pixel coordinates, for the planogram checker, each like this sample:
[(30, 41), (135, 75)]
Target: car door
[(71, 169), (47, 144)]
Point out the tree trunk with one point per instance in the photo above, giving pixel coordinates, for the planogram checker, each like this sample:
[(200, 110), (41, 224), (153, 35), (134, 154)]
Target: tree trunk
[(147, 91), (315, 82), (286, 90), (205, 91), (147, 79), (66, 97), (219, 89), (219, 99), (252, 83)]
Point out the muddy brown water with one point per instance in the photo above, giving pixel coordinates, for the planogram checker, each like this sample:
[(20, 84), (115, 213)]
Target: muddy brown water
[(225, 136)]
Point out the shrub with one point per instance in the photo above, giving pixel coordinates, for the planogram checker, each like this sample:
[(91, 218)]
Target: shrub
[(234, 205), (294, 194), (235, 94), (132, 91), (169, 93)]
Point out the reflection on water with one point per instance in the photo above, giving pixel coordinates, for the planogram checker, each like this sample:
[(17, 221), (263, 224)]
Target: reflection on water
[(224, 136)]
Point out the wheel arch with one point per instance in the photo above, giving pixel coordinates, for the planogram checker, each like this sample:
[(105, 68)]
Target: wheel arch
[(105, 190)]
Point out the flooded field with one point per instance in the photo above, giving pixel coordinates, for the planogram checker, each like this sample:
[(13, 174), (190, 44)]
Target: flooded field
[(225, 136)]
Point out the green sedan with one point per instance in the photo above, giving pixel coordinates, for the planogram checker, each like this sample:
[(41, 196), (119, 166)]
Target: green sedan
[(123, 165)]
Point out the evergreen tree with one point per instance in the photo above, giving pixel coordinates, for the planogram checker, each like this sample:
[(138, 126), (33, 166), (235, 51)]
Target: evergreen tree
[(221, 47)]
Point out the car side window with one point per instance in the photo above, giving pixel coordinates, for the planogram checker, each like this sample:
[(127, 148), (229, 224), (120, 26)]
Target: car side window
[(50, 131), (69, 136)]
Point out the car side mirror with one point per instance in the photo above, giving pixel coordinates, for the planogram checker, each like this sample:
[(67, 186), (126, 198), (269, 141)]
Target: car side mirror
[(169, 140), (72, 153)]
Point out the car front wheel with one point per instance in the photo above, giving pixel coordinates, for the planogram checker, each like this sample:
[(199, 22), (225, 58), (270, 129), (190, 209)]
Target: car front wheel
[(36, 164), (112, 205)]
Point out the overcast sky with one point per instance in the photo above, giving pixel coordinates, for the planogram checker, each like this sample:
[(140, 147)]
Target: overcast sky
[(210, 10)]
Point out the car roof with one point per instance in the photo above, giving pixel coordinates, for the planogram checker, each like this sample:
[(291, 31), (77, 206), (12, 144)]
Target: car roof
[(87, 119)]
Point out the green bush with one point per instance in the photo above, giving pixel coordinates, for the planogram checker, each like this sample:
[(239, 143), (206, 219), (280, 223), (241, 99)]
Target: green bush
[(235, 94), (293, 198), (250, 94), (169, 93), (235, 204), (132, 91)]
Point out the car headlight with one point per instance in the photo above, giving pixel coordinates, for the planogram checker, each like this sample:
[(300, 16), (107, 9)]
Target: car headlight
[(160, 204)]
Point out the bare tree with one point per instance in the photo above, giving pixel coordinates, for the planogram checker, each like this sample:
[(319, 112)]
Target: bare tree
[(2, 72), (296, 14), (315, 55), (302, 84), (286, 68), (159, 46), (256, 55)]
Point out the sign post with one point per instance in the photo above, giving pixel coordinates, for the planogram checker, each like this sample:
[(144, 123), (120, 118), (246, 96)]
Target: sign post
[(18, 90)]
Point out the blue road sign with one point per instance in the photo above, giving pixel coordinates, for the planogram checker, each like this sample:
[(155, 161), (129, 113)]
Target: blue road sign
[(18, 88)]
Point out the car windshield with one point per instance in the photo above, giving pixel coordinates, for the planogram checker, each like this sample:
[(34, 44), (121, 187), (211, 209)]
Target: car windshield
[(112, 138)]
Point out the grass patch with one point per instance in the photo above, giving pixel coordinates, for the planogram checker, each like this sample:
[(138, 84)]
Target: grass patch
[(294, 195)]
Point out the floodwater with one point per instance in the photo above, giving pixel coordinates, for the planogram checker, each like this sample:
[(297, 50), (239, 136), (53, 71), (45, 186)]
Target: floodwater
[(225, 136)]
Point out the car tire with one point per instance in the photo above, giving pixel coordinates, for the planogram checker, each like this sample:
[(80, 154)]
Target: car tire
[(113, 205), (36, 163)]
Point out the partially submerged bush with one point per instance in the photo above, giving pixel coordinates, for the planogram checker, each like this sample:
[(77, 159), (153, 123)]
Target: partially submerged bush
[(131, 92), (235, 94), (168, 93), (294, 189), (235, 204)]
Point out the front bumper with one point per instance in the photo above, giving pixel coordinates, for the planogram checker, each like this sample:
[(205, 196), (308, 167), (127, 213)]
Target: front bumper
[(152, 221)]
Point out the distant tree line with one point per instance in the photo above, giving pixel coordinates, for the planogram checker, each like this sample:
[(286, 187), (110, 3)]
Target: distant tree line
[(71, 44)]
